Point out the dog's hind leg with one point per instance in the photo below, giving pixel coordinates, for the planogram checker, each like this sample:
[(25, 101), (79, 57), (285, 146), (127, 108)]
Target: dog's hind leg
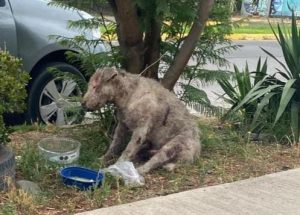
[(166, 154)]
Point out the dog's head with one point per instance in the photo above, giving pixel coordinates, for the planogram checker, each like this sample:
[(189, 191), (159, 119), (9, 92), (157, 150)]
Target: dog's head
[(101, 88)]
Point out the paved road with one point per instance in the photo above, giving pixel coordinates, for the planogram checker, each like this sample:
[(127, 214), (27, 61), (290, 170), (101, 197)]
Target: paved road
[(273, 194), (249, 52)]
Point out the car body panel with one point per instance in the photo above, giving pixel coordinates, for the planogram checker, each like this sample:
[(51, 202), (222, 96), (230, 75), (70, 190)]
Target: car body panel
[(8, 35), (25, 30), (34, 22)]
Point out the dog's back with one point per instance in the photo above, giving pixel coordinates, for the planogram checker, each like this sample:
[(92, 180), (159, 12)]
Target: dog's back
[(169, 115)]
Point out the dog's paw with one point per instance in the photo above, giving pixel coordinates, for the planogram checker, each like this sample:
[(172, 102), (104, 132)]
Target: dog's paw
[(107, 159), (142, 170), (124, 157), (170, 167)]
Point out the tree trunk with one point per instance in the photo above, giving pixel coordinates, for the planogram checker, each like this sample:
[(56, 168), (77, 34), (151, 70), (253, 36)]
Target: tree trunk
[(152, 47), (188, 46), (130, 35)]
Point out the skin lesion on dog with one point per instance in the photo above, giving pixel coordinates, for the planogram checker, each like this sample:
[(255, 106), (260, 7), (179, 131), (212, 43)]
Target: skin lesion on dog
[(161, 125), (166, 116), (173, 151)]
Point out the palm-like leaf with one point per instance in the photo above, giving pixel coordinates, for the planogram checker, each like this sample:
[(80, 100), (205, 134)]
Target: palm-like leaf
[(289, 90), (295, 109), (260, 106), (243, 92), (193, 94), (287, 94)]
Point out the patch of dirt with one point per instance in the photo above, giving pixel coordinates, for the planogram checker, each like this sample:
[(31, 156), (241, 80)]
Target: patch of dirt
[(224, 159)]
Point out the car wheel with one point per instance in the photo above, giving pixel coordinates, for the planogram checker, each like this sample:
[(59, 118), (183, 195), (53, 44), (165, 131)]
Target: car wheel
[(56, 98)]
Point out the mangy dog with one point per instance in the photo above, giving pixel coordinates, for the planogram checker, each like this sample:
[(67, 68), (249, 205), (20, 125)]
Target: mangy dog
[(159, 122)]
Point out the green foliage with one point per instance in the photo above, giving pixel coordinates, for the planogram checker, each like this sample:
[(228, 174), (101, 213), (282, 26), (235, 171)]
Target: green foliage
[(8, 208), (211, 47), (4, 132), (88, 58), (176, 19), (33, 166), (279, 97), (243, 83), (237, 5), (12, 84), (207, 50), (289, 89), (95, 141), (13, 81), (193, 94)]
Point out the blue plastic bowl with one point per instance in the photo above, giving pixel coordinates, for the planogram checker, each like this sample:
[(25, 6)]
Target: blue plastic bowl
[(82, 178)]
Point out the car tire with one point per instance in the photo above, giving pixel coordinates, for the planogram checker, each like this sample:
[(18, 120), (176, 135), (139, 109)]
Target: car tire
[(50, 96), (7, 167)]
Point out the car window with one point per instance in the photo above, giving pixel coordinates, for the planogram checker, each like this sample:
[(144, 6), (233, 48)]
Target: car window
[(2, 3), (47, 1)]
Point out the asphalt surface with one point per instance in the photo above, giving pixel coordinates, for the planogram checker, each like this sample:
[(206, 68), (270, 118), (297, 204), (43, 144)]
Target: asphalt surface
[(251, 51), (273, 194)]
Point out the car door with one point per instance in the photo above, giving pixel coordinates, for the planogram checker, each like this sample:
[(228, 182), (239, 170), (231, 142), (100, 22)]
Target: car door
[(8, 34)]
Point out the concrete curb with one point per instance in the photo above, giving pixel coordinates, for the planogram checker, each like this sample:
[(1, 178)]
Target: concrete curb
[(252, 37), (276, 193)]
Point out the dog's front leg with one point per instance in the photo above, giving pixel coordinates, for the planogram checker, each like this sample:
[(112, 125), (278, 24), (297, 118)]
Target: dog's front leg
[(137, 139), (118, 143)]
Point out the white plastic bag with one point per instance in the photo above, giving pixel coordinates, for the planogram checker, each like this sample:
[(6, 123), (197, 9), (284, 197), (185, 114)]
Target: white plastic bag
[(128, 172)]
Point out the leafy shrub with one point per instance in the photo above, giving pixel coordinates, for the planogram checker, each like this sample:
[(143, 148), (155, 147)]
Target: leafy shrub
[(12, 89), (237, 90), (279, 95)]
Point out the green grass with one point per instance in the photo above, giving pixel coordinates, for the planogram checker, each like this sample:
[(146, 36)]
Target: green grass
[(253, 28), (23, 128), (226, 156), (34, 167), (8, 209)]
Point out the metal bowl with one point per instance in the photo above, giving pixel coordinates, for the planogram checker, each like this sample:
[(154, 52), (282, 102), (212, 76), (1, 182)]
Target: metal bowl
[(59, 149)]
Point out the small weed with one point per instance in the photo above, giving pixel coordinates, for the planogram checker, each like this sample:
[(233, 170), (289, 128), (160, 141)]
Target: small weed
[(8, 208), (99, 195), (93, 146), (33, 166), (20, 199), (28, 127)]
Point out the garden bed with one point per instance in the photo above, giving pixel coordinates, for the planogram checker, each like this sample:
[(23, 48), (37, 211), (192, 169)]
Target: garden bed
[(226, 157)]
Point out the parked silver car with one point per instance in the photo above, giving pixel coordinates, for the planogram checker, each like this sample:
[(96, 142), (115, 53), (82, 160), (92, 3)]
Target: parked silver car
[(25, 26)]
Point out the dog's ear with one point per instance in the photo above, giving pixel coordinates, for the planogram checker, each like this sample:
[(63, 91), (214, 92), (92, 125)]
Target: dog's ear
[(109, 74), (96, 78), (103, 75)]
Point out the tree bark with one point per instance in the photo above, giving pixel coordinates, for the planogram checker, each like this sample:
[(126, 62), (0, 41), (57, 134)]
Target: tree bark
[(188, 46), (152, 47), (129, 33)]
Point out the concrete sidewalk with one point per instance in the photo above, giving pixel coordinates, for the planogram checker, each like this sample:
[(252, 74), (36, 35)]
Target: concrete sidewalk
[(277, 193)]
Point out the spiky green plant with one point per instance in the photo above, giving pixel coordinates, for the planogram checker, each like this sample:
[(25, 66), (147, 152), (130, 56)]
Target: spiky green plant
[(283, 91), (237, 90)]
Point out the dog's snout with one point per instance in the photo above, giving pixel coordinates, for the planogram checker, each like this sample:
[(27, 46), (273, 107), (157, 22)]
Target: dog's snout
[(83, 105)]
